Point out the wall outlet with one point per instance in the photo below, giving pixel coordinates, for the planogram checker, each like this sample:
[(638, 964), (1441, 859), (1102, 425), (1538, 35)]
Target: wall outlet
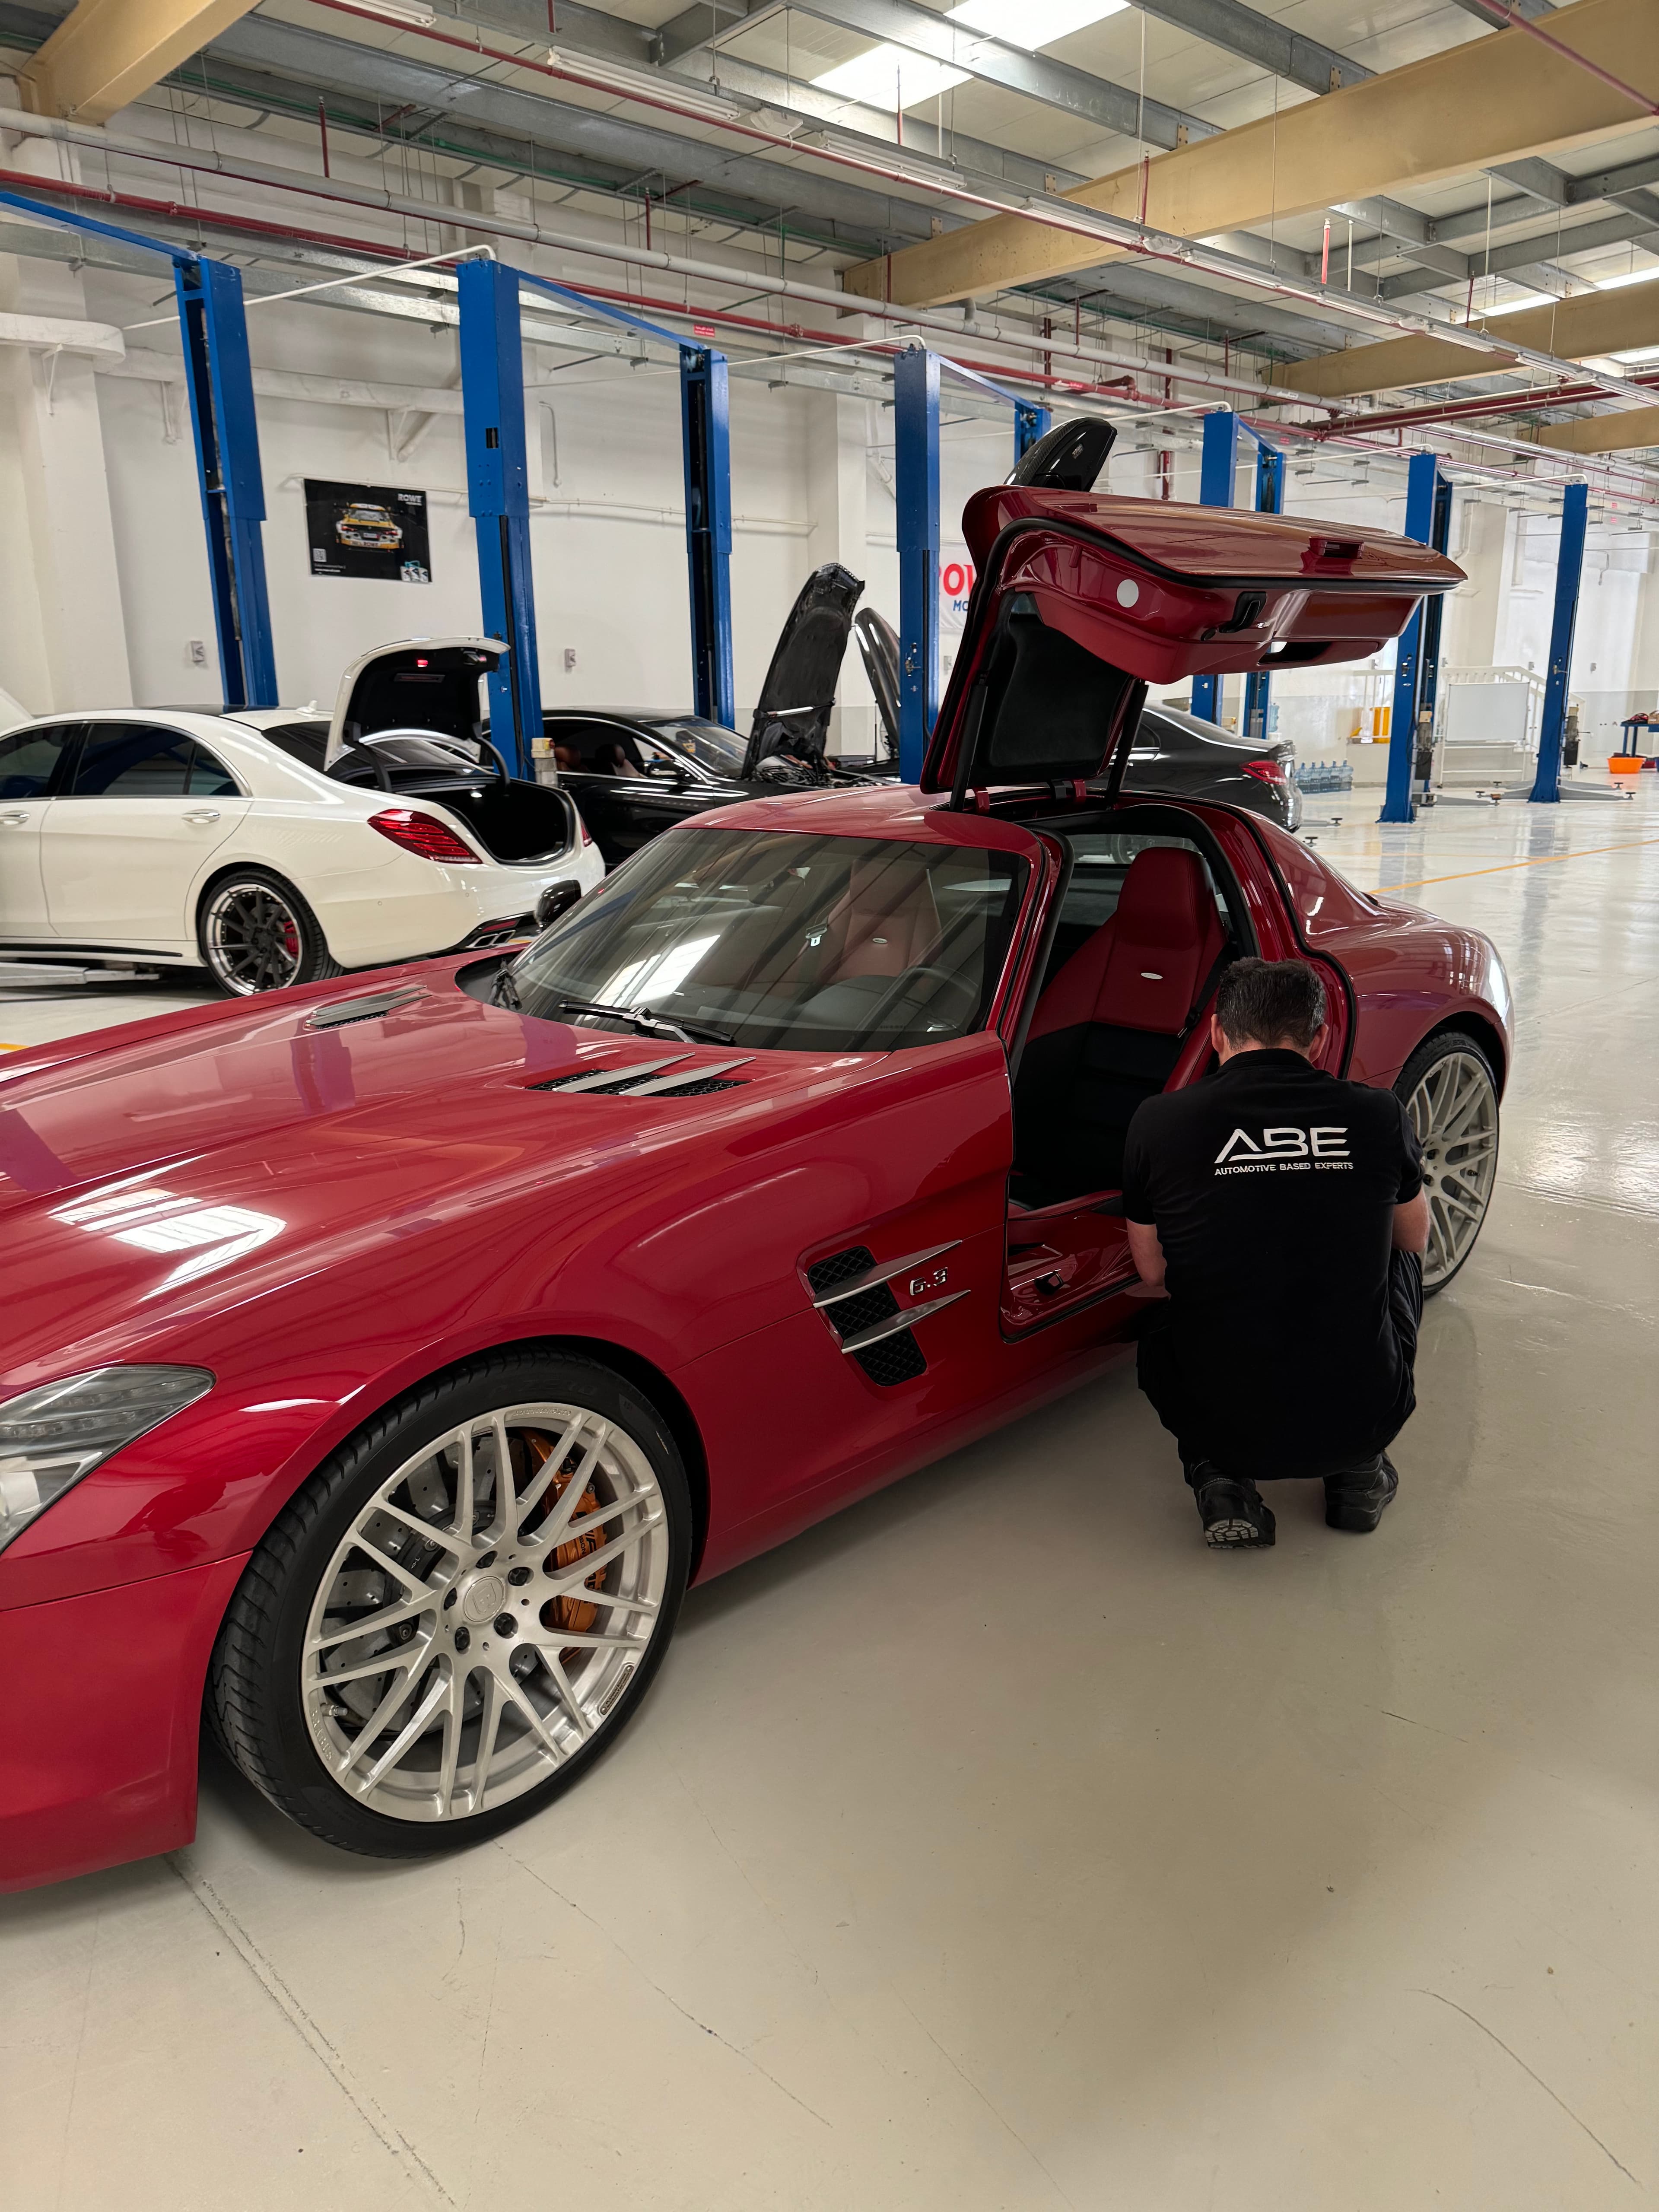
[(196, 652), (569, 659)]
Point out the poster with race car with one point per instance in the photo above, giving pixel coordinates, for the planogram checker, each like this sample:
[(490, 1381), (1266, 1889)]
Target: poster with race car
[(367, 530)]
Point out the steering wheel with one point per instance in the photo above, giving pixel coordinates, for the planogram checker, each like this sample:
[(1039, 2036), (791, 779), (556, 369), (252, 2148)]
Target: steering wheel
[(455, 747), (903, 984)]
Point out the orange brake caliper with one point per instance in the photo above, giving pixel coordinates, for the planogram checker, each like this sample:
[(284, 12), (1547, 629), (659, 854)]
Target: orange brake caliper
[(573, 1612)]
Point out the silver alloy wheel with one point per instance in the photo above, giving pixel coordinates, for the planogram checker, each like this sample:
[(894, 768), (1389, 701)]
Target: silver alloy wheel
[(1454, 1112), (253, 938), (458, 1651)]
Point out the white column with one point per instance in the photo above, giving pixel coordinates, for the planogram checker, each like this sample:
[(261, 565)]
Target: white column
[(835, 446), (62, 640), (1469, 634)]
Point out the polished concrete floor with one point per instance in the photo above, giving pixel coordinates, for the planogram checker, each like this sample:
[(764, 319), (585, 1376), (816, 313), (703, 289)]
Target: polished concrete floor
[(995, 1847)]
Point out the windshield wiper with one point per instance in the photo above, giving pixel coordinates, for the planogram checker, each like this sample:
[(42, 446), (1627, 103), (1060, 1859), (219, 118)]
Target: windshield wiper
[(654, 1024)]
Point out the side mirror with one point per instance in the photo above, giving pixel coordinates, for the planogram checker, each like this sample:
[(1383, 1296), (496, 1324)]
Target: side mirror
[(556, 899)]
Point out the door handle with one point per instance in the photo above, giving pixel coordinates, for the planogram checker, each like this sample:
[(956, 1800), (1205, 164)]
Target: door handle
[(14, 821), (204, 814)]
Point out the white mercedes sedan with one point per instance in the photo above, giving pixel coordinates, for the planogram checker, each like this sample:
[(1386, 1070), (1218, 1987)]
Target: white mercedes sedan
[(273, 845)]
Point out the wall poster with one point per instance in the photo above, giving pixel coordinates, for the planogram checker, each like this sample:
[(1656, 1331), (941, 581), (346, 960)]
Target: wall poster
[(367, 530)]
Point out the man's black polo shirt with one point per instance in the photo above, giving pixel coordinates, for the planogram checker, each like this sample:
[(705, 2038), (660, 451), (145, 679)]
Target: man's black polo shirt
[(1273, 1188)]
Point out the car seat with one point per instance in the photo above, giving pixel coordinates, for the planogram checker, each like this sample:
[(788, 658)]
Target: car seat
[(1109, 1028)]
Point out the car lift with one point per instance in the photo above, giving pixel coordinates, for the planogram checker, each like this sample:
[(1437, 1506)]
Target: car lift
[(1569, 571), (1218, 475), (916, 375), (1417, 656), (498, 492), (219, 375)]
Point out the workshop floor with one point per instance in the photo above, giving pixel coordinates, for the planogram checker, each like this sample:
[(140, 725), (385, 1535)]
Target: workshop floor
[(996, 1845)]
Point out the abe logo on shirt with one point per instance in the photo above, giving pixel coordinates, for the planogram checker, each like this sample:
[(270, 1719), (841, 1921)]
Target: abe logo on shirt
[(1283, 1146)]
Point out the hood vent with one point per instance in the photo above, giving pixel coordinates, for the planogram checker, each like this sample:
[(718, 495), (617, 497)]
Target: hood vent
[(339, 1011), (642, 1080)]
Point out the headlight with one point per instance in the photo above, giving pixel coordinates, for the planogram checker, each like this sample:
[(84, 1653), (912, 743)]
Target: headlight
[(50, 1437)]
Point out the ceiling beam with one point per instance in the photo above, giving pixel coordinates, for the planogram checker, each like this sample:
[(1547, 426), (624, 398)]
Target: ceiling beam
[(317, 60), (107, 52), (1252, 37), (1517, 259), (1574, 330), (1477, 105), (1229, 25), (1114, 107), (1604, 434)]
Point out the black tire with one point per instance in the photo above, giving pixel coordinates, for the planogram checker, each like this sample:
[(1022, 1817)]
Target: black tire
[(256, 1698), (256, 932), (1449, 1175)]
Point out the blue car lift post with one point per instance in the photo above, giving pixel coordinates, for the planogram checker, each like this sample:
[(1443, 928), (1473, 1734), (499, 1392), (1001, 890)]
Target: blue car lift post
[(1568, 570), (219, 374), (1217, 475), (1417, 656), (916, 482), (498, 492)]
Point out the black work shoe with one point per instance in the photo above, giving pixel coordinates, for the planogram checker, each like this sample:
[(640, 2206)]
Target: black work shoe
[(1232, 1512), (1357, 1498)]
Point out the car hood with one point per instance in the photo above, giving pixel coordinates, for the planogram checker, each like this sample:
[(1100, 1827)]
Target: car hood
[(175, 1166), (799, 690)]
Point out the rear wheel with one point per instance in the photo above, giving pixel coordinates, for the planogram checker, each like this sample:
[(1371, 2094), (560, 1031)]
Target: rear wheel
[(1450, 1096), (256, 934), (459, 1612)]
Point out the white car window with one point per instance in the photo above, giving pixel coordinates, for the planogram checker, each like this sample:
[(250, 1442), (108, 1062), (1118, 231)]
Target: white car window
[(29, 758), (208, 777), (132, 760)]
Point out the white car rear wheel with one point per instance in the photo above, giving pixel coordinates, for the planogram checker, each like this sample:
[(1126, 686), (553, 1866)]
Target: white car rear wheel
[(256, 934)]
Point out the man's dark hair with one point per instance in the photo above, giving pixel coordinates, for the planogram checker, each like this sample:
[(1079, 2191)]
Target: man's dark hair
[(1268, 1002)]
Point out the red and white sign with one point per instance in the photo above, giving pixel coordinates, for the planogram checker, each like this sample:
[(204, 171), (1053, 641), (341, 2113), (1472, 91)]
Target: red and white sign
[(956, 582)]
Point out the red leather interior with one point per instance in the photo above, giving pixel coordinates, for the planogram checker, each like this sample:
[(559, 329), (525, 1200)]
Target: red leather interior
[(887, 922), (1143, 968)]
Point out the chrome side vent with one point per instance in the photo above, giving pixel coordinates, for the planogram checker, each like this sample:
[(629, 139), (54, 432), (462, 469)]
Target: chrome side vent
[(641, 1078), (855, 1295), (339, 1011)]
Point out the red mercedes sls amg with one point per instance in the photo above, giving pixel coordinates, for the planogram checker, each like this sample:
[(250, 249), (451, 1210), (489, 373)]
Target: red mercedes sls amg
[(385, 1357)]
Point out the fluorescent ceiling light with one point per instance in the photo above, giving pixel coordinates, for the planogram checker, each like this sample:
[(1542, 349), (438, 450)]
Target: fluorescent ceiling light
[(400, 11), (1630, 277), (1033, 23), (647, 84), (890, 76)]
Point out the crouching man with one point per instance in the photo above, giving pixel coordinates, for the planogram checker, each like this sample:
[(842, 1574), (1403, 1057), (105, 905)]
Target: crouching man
[(1282, 1211)]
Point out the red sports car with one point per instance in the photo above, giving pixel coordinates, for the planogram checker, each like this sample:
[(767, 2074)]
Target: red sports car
[(385, 1357)]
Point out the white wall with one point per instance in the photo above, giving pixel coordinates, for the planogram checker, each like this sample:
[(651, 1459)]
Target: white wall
[(611, 589)]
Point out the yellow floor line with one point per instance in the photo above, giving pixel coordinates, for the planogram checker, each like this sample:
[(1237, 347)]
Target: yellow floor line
[(1541, 860)]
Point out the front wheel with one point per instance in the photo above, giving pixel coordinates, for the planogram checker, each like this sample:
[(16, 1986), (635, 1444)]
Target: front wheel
[(1450, 1096), (459, 1612), (256, 933)]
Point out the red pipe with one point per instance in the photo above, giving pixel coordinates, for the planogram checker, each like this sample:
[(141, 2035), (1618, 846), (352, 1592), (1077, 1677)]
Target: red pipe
[(1488, 403)]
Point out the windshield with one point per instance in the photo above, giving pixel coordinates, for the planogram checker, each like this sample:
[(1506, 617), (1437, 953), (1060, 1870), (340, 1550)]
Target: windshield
[(719, 750), (810, 943)]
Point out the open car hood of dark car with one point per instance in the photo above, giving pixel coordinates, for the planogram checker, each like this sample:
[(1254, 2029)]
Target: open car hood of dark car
[(417, 684), (798, 695), (878, 649), (1084, 599)]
